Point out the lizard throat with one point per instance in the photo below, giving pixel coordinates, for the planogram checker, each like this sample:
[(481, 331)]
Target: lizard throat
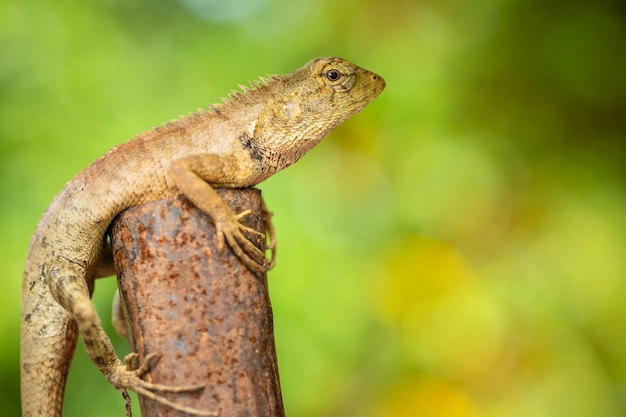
[(273, 156)]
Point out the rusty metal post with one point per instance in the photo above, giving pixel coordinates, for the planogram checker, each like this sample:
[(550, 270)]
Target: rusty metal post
[(206, 314)]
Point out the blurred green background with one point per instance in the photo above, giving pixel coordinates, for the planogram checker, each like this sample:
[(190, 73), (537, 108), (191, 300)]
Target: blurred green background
[(457, 249)]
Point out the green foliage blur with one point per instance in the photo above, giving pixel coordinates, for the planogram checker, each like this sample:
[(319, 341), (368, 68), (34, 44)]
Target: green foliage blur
[(458, 249)]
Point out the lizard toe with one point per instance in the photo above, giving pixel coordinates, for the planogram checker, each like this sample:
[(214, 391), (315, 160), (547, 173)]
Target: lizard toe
[(124, 379)]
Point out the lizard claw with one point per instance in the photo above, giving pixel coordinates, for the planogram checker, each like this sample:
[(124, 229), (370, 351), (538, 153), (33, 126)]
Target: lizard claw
[(270, 233), (236, 235), (150, 361), (128, 376)]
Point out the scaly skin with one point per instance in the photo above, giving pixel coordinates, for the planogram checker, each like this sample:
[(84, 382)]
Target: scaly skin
[(256, 133)]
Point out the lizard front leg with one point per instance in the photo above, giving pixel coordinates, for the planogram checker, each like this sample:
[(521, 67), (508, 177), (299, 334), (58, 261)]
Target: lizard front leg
[(69, 288), (193, 176)]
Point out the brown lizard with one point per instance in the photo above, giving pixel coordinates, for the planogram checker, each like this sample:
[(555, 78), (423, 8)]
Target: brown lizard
[(255, 133)]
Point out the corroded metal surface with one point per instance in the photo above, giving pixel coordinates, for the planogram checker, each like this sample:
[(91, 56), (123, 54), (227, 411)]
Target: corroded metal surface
[(208, 316)]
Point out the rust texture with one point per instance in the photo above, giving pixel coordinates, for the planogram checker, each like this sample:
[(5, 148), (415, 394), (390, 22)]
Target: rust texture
[(203, 311)]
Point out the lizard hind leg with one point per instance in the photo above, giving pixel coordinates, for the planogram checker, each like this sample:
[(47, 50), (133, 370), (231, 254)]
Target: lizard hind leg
[(118, 316), (269, 232), (69, 288)]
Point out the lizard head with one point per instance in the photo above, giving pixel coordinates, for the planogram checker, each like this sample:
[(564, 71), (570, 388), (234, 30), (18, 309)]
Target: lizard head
[(306, 105)]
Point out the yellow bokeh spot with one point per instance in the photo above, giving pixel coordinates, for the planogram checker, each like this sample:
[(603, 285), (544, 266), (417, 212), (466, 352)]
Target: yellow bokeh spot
[(420, 273), (425, 397)]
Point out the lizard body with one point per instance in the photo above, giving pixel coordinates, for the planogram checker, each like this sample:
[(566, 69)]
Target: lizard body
[(254, 134)]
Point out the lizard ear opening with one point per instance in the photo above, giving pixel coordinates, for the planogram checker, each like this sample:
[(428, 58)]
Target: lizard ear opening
[(291, 109)]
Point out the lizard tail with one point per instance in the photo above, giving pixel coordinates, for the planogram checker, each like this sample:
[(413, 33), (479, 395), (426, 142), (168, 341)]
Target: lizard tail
[(45, 355)]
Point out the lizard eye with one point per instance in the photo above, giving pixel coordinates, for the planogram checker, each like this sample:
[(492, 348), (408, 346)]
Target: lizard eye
[(337, 76), (333, 75)]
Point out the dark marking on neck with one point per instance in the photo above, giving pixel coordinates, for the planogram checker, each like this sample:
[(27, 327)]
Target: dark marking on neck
[(251, 144)]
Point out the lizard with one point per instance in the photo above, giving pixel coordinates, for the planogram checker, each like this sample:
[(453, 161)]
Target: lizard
[(256, 132)]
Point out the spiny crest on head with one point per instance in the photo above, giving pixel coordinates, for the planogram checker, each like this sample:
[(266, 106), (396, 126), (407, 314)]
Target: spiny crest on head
[(246, 93)]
